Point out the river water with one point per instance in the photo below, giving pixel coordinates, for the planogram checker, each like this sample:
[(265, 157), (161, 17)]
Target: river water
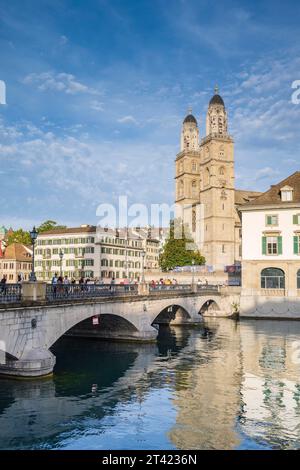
[(221, 385)]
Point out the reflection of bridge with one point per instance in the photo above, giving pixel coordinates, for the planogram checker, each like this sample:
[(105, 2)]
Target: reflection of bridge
[(43, 409), (29, 328)]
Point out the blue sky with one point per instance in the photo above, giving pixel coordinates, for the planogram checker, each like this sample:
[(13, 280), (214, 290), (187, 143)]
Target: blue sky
[(97, 91)]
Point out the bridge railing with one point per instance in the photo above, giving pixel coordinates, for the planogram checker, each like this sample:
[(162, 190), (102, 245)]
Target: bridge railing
[(208, 288), (10, 293), (84, 291), (170, 287)]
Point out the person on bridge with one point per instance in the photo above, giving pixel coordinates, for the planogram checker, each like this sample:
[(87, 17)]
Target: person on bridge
[(112, 284), (3, 284), (54, 284)]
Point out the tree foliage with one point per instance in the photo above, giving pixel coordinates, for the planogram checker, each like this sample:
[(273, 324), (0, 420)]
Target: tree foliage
[(49, 225), (23, 236), (179, 249), (18, 236)]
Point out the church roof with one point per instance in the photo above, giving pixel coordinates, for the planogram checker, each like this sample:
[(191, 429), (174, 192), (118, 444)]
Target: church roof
[(190, 118), (216, 99), (242, 196), (273, 195)]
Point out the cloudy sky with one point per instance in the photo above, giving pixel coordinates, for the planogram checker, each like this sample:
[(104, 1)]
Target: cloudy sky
[(97, 91)]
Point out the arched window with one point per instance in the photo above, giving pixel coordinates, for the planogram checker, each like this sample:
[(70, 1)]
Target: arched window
[(272, 278), (206, 177), (298, 279), (221, 152), (222, 171), (194, 167), (181, 188), (194, 188)]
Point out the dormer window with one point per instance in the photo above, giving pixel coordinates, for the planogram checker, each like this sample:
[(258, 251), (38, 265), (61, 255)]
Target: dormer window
[(286, 194)]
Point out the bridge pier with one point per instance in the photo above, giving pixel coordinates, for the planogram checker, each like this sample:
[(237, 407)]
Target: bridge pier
[(34, 363)]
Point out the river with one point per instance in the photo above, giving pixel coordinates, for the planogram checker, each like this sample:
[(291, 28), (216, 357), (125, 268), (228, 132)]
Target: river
[(221, 385)]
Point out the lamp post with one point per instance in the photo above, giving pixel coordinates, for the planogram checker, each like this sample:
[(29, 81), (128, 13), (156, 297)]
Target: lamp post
[(33, 237), (193, 272), (61, 255), (143, 266)]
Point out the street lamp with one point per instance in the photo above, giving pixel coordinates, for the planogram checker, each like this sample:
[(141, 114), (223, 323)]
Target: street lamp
[(33, 236), (193, 272), (143, 266), (61, 255)]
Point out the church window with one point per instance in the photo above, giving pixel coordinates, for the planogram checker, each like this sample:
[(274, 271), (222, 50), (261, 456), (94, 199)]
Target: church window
[(206, 177), (223, 248), (194, 219), (222, 171), (194, 188), (194, 166), (180, 188)]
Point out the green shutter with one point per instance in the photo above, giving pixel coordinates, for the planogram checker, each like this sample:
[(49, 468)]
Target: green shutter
[(296, 245), (279, 239), (269, 220), (296, 219), (264, 245)]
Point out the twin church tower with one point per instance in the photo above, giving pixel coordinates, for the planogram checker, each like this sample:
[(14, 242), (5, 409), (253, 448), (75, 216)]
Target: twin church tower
[(205, 192)]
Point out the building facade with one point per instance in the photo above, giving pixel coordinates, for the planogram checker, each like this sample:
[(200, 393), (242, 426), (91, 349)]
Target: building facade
[(206, 198), (92, 252), (271, 241), (15, 262)]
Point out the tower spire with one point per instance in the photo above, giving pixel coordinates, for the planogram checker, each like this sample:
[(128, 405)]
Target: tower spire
[(216, 89)]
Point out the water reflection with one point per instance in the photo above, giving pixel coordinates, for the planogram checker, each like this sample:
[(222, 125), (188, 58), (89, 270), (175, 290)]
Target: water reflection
[(270, 387), (221, 385)]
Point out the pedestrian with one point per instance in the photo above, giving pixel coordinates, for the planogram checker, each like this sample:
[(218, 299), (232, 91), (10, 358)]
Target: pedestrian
[(112, 284), (3, 285), (54, 284)]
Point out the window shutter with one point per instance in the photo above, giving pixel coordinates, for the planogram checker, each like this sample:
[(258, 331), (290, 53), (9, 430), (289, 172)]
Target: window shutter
[(269, 220), (296, 245), (279, 245), (295, 219), (264, 245)]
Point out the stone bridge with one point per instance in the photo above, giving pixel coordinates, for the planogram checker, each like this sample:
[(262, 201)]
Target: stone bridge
[(28, 331)]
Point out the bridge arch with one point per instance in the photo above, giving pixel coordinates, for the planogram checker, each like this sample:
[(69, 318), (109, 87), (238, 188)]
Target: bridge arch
[(172, 313), (210, 306), (105, 326), (110, 316)]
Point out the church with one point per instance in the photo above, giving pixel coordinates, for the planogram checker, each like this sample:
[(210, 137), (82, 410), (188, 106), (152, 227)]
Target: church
[(205, 194)]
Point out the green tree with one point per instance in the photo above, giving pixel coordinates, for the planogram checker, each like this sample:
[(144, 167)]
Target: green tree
[(49, 225), (178, 249), (18, 236)]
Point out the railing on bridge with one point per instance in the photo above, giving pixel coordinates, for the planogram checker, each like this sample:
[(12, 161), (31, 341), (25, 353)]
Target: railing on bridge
[(208, 288), (85, 291), (170, 287), (10, 293)]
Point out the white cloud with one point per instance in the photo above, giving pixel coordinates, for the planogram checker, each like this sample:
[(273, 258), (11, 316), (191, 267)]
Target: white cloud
[(63, 82), (128, 120), (96, 105)]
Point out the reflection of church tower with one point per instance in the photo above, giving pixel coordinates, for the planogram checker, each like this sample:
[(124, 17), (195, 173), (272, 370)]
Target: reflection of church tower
[(205, 174)]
